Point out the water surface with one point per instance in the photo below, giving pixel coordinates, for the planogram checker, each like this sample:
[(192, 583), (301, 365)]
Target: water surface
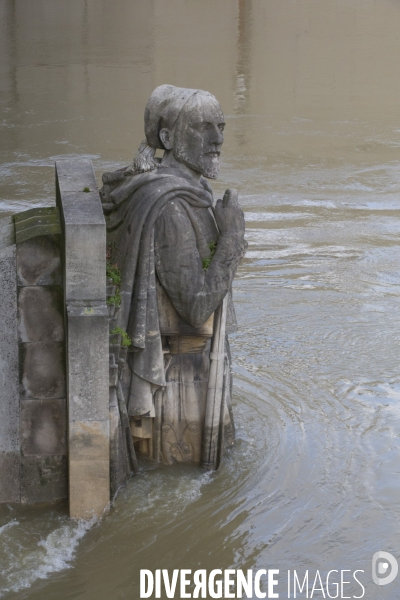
[(311, 94)]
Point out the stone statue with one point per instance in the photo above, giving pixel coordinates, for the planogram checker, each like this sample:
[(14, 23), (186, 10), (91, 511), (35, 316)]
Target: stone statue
[(177, 255)]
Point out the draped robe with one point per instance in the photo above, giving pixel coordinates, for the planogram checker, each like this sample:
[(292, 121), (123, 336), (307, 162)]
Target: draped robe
[(160, 225)]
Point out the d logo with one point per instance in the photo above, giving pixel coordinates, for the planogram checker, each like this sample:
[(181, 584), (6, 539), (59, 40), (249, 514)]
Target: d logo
[(384, 563)]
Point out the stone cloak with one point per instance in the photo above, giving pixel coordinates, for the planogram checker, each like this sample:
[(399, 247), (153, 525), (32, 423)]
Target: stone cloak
[(136, 202)]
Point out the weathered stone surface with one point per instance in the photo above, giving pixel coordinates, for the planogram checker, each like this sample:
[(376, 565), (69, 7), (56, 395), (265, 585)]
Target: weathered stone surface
[(10, 477), (84, 263), (89, 468), (142, 428), (89, 488), (185, 257), (9, 377), (87, 440), (39, 261), (42, 370), (119, 460), (85, 240), (172, 324), (34, 368), (7, 232), (87, 315), (43, 478), (41, 314), (37, 222), (88, 363), (43, 427), (113, 374), (75, 175), (82, 209)]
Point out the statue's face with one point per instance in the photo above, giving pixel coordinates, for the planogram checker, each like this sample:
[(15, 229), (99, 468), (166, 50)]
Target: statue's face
[(198, 135)]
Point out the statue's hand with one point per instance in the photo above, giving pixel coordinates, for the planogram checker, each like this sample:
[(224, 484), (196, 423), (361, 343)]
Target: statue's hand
[(228, 214)]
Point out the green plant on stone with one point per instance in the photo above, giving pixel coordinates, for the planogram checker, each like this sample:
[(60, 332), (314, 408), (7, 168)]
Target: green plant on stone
[(86, 189), (206, 261), (125, 339), (113, 273), (116, 299)]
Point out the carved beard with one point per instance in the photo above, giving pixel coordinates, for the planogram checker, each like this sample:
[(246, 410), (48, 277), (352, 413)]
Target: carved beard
[(206, 164)]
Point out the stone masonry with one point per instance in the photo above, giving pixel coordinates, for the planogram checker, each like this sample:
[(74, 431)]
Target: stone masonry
[(84, 260), (33, 395), (54, 351)]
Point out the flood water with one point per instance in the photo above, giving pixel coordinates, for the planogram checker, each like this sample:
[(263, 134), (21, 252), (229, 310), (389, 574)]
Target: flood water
[(311, 94)]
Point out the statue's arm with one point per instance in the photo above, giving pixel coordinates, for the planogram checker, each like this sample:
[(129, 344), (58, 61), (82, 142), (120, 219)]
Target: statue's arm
[(194, 292)]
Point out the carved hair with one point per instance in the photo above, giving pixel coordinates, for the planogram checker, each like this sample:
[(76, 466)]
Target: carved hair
[(143, 161)]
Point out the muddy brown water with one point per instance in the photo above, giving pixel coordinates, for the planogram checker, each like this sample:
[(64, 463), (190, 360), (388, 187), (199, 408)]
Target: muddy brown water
[(311, 94)]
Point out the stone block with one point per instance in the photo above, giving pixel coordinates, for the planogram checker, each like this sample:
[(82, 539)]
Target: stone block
[(43, 427), (39, 261), (89, 468), (36, 222), (9, 363), (42, 370), (7, 232), (10, 486), (82, 210), (43, 478), (41, 314), (89, 440), (85, 242), (88, 376), (89, 489), (75, 175)]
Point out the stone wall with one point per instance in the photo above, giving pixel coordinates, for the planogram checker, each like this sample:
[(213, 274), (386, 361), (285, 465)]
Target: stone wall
[(41, 340), (9, 378), (32, 355), (54, 350)]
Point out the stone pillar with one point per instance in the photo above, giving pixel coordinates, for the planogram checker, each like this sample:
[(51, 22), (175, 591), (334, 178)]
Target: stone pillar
[(84, 231)]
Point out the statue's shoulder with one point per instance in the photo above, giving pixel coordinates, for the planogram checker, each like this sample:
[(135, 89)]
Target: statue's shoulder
[(118, 185), (113, 176), (111, 181)]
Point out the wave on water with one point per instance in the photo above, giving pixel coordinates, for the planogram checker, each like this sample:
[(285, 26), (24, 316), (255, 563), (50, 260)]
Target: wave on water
[(8, 525), (149, 491), (22, 562), (33, 550)]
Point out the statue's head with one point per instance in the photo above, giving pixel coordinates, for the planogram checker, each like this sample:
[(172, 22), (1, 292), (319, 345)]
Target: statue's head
[(189, 123)]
